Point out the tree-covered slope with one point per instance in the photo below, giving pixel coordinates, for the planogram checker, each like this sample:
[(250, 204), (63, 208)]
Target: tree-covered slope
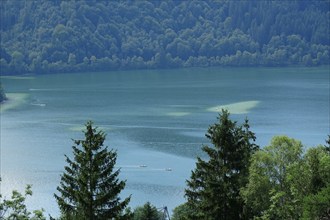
[(56, 36)]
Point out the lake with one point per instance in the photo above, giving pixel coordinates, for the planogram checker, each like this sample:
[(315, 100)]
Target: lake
[(156, 119)]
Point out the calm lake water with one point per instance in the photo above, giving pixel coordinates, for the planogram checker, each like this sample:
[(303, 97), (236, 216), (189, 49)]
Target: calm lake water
[(156, 120)]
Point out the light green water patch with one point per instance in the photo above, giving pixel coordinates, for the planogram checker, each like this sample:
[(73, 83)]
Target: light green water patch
[(14, 100), (178, 114), (236, 108), (17, 77)]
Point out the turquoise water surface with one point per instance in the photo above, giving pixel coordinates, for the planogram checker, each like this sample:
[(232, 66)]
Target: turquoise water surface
[(156, 119)]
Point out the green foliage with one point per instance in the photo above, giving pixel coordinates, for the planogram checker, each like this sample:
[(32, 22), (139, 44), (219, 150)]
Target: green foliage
[(60, 36), (318, 162), (15, 207), (317, 206), (327, 146), (90, 187), (316, 201), (213, 190), (268, 191), (181, 212), (283, 182), (147, 212)]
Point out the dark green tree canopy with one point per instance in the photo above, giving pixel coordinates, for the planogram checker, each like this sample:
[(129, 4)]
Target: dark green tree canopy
[(213, 190), (44, 36), (181, 212), (148, 212), (89, 187)]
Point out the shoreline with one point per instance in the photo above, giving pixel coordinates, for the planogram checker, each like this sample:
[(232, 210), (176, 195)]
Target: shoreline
[(32, 75)]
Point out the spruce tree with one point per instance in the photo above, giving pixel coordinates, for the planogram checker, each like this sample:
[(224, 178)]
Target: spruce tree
[(89, 187), (327, 146), (213, 192), (147, 212)]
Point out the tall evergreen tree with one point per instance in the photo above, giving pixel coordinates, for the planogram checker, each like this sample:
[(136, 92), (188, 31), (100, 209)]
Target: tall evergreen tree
[(147, 212), (90, 187), (213, 191), (327, 146)]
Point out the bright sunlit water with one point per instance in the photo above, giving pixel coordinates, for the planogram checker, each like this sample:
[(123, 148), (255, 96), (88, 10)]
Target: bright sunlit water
[(156, 120)]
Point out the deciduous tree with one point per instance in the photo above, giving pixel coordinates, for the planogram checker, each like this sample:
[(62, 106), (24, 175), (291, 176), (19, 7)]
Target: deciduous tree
[(15, 207), (269, 192)]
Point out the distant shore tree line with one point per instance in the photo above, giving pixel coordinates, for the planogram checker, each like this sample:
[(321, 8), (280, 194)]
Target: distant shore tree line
[(235, 180), (49, 36)]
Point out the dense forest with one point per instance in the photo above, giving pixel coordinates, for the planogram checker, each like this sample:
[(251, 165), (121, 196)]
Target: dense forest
[(88, 35)]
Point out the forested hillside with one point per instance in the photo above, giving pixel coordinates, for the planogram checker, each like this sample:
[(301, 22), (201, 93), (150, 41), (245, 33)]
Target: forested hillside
[(64, 36)]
